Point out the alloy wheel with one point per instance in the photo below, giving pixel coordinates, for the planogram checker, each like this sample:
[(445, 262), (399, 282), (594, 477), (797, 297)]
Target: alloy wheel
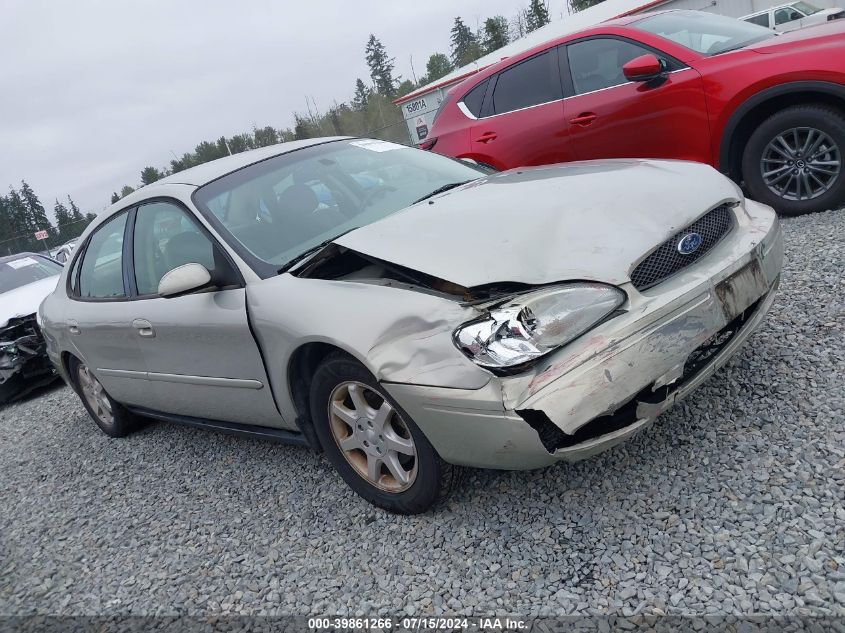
[(95, 395), (372, 436), (802, 163)]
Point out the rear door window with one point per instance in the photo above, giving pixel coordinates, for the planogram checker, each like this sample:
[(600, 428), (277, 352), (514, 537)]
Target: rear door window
[(529, 83)]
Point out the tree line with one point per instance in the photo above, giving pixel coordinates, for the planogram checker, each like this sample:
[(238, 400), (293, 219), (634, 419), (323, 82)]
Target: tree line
[(22, 215)]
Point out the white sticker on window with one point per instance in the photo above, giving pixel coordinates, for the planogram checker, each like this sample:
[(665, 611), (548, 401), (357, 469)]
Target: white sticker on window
[(23, 261), (376, 146)]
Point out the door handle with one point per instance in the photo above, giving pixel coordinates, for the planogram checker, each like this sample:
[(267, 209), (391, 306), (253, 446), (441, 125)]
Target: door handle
[(144, 327), (486, 137), (584, 118), (73, 327)]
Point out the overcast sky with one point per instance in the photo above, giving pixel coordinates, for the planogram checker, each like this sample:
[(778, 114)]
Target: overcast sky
[(93, 91)]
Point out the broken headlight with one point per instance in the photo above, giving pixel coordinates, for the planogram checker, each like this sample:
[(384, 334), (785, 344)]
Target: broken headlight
[(532, 325)]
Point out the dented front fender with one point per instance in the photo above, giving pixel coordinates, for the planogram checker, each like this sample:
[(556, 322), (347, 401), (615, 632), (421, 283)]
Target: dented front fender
[(400, 335)]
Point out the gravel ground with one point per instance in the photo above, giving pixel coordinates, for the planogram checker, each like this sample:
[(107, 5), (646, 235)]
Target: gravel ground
[(734, 502)]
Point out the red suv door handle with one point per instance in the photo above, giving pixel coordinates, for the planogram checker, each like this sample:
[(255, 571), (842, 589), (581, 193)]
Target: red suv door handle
[(584, 119), (486, 137)]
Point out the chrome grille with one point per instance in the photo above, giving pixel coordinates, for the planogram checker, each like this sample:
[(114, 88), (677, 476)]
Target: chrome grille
[(666, 260)]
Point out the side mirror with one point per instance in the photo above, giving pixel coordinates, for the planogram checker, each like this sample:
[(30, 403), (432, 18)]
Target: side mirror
[(643, 68), (183, 279)]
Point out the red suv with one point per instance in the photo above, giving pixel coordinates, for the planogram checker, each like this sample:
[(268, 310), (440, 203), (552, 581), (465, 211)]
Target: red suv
[(768, 110)]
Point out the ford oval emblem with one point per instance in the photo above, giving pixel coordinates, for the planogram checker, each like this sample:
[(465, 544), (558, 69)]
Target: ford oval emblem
[(689, 243)]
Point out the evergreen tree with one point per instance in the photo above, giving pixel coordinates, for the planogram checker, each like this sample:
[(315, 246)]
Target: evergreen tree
[(75, 214), (19, 227), (63, 221), (36, 216), (580, 5), (264, 137), (303, 128), (114, 197), (6, 234), (126, 191), (438, 66), (362, 96), (406, 87), (465, 46), (150, 174), (336, 117), (536, 15), (495, 33), (381, 67), (243, 142), (78, 222)]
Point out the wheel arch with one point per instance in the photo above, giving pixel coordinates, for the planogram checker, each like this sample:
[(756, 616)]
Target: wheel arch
[(302, 364), (751, 112), (65, 359)]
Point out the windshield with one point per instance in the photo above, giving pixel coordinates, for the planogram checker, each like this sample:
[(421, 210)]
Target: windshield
[(805, 7), (704, 33), (279, 209), (24, 270)]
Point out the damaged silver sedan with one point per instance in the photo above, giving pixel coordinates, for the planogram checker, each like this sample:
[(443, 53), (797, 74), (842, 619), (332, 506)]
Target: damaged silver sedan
[(407, 313)]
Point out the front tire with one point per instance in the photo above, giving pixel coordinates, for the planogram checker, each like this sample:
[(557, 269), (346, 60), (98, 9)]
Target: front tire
[(113, 419), (372, 443), (793, 161)]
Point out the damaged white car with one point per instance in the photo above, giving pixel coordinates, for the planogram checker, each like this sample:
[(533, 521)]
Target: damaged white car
[(407, 313), (25, 279)]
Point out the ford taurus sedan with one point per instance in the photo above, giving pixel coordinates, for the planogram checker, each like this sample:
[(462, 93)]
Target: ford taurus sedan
[(407, 313)]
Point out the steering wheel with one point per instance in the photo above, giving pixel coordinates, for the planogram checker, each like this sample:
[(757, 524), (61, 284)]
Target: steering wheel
[(370, 195)]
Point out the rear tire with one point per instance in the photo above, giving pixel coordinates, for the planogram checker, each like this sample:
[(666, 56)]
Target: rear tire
[(372, 443), (113, 419), (798, 181)]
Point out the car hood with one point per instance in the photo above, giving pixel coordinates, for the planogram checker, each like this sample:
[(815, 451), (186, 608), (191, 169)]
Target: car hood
[(580, 221), (826, 34), (25, 300)]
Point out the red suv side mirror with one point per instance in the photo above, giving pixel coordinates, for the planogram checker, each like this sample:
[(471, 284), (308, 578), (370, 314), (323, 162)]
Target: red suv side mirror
[(643, 68)]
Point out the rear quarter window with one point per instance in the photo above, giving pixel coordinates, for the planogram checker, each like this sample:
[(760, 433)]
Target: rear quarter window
[(474, 99)]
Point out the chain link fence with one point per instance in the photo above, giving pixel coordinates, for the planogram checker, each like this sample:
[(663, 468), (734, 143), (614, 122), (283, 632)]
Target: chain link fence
[(27, 242), (395, 132)]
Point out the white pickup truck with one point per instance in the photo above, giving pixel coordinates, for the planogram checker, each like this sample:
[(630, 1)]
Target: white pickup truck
[(792, 16)]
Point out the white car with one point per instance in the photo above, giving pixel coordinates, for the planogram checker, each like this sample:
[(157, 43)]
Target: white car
[(793, 16), (25, 279), (63, 253)]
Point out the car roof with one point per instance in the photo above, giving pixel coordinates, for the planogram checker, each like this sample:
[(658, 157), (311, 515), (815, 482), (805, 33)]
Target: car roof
[(11, 258)]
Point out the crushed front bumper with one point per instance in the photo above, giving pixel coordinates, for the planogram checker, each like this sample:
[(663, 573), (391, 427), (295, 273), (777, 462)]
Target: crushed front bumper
[(24, 364), (615, 381)]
